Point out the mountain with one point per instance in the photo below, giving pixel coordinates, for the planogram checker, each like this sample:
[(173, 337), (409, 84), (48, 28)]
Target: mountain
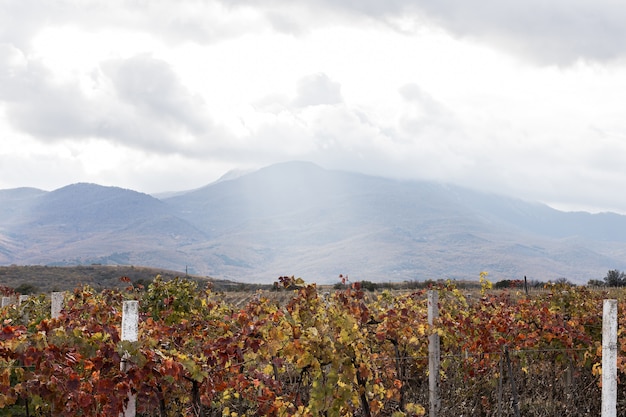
[(88, 223), (296, 218), (299, 219)]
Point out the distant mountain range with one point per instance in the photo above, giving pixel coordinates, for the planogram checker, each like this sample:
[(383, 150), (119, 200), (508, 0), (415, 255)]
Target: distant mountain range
[(299, 219)]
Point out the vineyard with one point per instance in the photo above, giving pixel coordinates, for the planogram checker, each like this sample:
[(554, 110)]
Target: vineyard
[(318, 353)]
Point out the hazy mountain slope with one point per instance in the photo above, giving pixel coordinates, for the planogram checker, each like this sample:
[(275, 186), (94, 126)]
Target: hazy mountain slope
[(292, 195), (543, 220), (92, 223), (92, 207), (299, 219), (15, 203), (7, 249)]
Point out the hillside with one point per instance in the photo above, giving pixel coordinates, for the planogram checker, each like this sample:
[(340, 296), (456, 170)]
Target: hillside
[(89, 223), (45, 279), (299, 219)]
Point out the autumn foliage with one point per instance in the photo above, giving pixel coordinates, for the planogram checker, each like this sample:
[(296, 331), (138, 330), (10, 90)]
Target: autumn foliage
[(333, 353)]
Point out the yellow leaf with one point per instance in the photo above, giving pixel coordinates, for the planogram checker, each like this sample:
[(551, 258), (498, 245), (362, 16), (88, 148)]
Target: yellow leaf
[(312, 332), (269, 369), (596, 369), (415, 409)]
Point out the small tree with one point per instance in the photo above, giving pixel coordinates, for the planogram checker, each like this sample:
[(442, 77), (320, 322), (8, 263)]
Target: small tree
[(615, 278), (508, 283), (564, 281), (26, 289)]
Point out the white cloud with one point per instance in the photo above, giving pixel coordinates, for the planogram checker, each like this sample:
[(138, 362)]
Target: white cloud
[(317, 89), (153, 92), (551, 32), (556, 32)]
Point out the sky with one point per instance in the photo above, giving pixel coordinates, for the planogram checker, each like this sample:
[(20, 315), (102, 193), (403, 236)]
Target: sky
[(525, 99)]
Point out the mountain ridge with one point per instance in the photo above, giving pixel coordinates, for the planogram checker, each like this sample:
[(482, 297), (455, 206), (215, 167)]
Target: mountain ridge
[(296, 218)]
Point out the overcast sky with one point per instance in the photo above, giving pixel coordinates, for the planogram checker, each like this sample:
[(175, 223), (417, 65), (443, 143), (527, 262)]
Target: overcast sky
[(520, 98)]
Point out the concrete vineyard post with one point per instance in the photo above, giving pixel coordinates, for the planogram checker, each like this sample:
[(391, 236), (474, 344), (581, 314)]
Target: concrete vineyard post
[(130, 330), (6, 301), (609, 358), (434, 357), (56, 304)]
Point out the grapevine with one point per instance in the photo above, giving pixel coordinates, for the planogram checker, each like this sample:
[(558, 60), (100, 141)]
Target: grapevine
[(321, 353)]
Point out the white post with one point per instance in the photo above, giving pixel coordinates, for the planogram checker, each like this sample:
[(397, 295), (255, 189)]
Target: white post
[(6, 301), (23, 298), (56, 304), (130, 330), (130, 321), (434, 357), (609, 358)]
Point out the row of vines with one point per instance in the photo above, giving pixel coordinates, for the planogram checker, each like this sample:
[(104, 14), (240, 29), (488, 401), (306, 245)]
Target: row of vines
[(321, 353)]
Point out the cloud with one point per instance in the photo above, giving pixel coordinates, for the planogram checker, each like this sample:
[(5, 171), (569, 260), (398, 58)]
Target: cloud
[(37, 104), (138, 102), (337, 134), (317, 89), (424, 113), (556, 32), (151, 88), (20, 20), (172, 22)]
